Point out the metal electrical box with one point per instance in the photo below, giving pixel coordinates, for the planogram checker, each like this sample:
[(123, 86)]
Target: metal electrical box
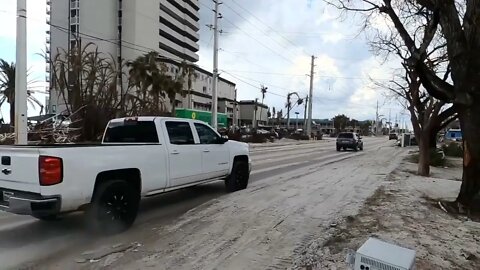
[(405, 140), (375, 254)]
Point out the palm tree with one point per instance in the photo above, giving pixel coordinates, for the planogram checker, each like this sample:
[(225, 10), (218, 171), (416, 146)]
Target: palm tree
[(176, 86), (263, 90), (7, 89), (149, 78), (188, 72)]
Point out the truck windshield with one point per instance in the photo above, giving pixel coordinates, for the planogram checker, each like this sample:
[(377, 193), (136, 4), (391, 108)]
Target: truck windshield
[(131, 132)]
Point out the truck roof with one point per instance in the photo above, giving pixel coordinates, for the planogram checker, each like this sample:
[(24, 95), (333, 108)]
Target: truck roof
[(152, 118)]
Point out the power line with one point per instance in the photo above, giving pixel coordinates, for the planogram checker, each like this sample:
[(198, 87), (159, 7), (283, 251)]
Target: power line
[(302, 75), (254, 80), (263, 45), (269, 27), (262, 82), (243, 58), (263, 32), (115, 42), (255, 86), (269, 73)]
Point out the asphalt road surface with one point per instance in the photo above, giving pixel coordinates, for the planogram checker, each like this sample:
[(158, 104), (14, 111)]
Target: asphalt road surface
[(295, 192)]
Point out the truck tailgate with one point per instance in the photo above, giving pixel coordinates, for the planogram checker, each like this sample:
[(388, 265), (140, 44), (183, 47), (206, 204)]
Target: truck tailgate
[(19, 168)]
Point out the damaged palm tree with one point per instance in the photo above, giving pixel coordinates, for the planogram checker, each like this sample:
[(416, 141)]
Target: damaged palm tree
[(151, 85), (86, 80), (147, 79)]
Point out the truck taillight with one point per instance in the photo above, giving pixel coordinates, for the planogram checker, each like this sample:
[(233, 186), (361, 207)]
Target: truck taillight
[(50, 170)]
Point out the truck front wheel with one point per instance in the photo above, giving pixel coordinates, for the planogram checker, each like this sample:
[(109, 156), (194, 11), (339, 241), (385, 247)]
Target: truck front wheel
[(114, 207), (239, 176)]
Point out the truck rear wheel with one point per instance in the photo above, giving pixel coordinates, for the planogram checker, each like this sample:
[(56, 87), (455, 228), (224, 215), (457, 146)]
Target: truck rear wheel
[(114, 207), (238, 179)]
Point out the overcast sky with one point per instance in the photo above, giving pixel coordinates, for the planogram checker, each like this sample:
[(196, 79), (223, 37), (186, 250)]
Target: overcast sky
[(262, 42)]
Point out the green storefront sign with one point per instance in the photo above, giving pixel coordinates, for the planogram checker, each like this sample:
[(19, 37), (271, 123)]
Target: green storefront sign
[(202, 116)]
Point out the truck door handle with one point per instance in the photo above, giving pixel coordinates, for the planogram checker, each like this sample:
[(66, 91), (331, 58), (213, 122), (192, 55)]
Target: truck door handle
[(206, 151), (175, 152)]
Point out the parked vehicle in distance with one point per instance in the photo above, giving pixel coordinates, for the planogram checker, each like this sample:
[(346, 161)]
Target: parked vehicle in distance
[(393, 136), (349, 140), (138, 157), (454, 135)]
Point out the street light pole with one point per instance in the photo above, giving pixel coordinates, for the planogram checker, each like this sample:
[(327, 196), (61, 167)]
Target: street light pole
[(21, 135)]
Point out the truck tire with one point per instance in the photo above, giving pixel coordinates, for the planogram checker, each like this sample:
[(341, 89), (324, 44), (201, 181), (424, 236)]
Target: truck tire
[(238, 178), (114, 207), (338, 148)]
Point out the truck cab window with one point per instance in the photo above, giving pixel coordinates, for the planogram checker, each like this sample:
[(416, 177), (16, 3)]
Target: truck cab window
[(131, 132), (206, 134), (179, 132)]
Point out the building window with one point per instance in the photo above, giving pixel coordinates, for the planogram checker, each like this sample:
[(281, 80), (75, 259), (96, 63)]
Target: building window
[(204, 89)]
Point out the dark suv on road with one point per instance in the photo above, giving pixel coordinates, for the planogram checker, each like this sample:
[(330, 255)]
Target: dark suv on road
[(392, 136), (349, 140)]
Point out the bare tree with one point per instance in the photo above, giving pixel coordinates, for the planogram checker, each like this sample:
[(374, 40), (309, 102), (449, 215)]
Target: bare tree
[(427, 114), (458, 24)]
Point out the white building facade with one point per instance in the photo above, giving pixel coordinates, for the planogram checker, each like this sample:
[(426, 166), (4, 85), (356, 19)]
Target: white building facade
[(128, 29)]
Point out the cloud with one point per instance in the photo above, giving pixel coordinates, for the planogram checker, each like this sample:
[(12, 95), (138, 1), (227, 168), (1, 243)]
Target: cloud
[(264, 44)]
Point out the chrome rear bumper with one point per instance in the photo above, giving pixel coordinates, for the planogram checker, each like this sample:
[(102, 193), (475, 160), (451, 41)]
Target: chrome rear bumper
[(25, 203)]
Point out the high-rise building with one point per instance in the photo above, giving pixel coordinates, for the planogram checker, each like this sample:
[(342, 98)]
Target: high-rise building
[(127, 29), (169, 27)]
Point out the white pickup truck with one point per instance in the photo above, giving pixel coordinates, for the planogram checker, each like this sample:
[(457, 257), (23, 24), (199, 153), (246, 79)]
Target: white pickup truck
[(138, 157)]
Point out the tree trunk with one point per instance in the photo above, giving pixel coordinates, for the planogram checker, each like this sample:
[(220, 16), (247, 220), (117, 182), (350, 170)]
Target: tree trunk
[(470, 124), (12, 113), (174, 105), (424, 154)]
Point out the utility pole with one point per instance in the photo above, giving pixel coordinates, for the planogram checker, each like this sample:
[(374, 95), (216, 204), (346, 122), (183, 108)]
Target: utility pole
[(288, 110), (21, 135), (215, 66), (296, 120), (305, 115), (376, 121), (309, 122), (254, 123), (235, 116), (389, 121)]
